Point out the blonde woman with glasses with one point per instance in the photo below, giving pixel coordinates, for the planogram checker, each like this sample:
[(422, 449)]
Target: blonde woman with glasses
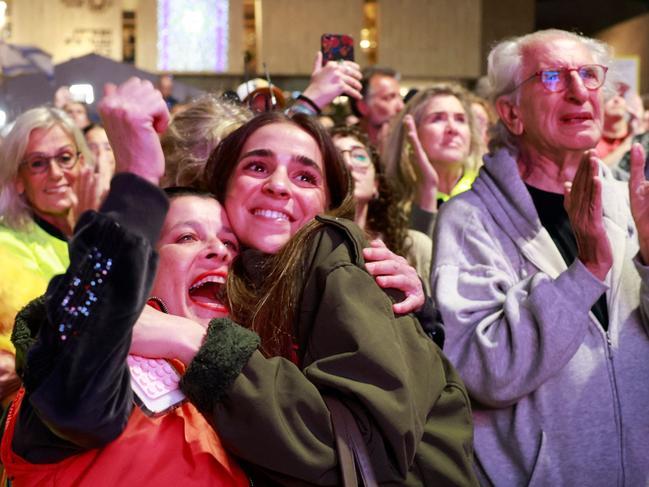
[(40, 162)]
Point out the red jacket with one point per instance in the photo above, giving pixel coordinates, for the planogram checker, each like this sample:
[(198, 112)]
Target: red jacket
[(179, 448)]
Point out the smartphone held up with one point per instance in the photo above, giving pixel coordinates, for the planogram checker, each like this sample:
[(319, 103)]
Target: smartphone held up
[(336, 47)]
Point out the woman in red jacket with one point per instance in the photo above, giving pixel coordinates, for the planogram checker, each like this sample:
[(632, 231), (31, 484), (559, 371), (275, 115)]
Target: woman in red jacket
[(75, 422)]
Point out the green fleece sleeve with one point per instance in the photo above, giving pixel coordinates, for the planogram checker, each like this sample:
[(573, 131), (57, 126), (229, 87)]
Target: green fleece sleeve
[(225, 351), (273, 414)]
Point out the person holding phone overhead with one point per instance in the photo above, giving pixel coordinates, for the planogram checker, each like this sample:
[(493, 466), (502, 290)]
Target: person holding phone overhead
[(381, 101)]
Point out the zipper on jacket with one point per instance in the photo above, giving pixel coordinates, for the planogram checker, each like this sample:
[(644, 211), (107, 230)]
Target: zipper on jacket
[(618, 408), (610, 347)]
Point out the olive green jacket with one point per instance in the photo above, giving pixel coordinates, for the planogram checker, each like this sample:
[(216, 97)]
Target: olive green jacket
[(410, 403)]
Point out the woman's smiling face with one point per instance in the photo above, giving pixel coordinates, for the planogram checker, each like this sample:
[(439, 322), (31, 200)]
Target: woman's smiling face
[(51, 192), (277, 186)]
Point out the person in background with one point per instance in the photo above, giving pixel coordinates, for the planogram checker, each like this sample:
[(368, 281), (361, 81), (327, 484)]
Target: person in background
[(193, 134), (327, 82), (430, 152), (381, 101), (79, 113), (62, 96), (541, 276), (41, 160), (620, 158), (94, 180), (485, 118), (99, 145), (616, 130), (165, 86), (377, 208)]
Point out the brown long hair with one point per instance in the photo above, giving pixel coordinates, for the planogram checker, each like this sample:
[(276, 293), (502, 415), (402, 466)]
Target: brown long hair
[(267, 305)]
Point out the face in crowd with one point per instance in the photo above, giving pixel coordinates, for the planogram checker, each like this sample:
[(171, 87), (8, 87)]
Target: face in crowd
[(100, 147), (78, 113), (360, 165), (195, 251), (559, 104), (444, 130), (615, 107), (383, 100), (48, 171), (277, 186)]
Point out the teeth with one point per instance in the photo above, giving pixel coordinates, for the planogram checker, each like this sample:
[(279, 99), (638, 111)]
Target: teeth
[(275, 215), (206, 279), (60, 189)]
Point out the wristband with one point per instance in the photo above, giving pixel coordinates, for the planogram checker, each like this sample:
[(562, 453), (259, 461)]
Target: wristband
[(300, 108), (310, 102)]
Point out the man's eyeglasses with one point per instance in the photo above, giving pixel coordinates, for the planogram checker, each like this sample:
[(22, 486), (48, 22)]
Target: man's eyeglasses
[(358, 157), (558, 79), (40, 164)]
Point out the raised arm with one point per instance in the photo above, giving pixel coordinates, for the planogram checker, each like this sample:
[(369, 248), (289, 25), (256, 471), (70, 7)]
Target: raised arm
[(327, 82), (77, 385), (76, 380)]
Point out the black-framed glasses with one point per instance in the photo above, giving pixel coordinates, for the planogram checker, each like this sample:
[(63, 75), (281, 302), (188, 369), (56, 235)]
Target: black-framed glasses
[(358, 156), (556, 80), (39, 164)]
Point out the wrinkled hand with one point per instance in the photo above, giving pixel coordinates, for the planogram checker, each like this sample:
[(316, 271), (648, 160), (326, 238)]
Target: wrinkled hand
[(332, 80), (639, 198), (429, 180), (161, 335), (392, 271), (133, 115), (583, 203)]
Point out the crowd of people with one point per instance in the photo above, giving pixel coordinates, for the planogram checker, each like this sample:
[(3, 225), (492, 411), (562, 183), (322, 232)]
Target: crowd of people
[(467, 277)]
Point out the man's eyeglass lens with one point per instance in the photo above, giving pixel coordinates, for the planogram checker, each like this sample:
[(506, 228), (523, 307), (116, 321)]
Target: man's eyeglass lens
[(592, 76)]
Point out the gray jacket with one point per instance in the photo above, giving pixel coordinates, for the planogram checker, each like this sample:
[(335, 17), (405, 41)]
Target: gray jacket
[(557, 400)]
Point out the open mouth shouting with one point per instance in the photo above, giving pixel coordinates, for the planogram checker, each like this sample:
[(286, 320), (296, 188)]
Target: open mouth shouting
[(208, 291)]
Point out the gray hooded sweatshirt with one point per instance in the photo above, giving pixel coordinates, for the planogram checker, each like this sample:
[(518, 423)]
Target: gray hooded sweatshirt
[(557, 400)]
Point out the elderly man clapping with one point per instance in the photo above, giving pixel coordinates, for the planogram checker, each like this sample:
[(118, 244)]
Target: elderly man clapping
[(541, 277)]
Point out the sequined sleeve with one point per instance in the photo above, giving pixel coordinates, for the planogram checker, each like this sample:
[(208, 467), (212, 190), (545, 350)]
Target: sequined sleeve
[(77, 384)]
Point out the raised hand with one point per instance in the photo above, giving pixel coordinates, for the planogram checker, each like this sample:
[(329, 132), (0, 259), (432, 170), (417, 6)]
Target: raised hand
[(133, 115), (639, 198), (429, 179), (583, 203), (391, 271), (332, 80), (91, 187)]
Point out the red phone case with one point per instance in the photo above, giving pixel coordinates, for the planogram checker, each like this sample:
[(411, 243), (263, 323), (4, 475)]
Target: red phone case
[(336, 46)]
